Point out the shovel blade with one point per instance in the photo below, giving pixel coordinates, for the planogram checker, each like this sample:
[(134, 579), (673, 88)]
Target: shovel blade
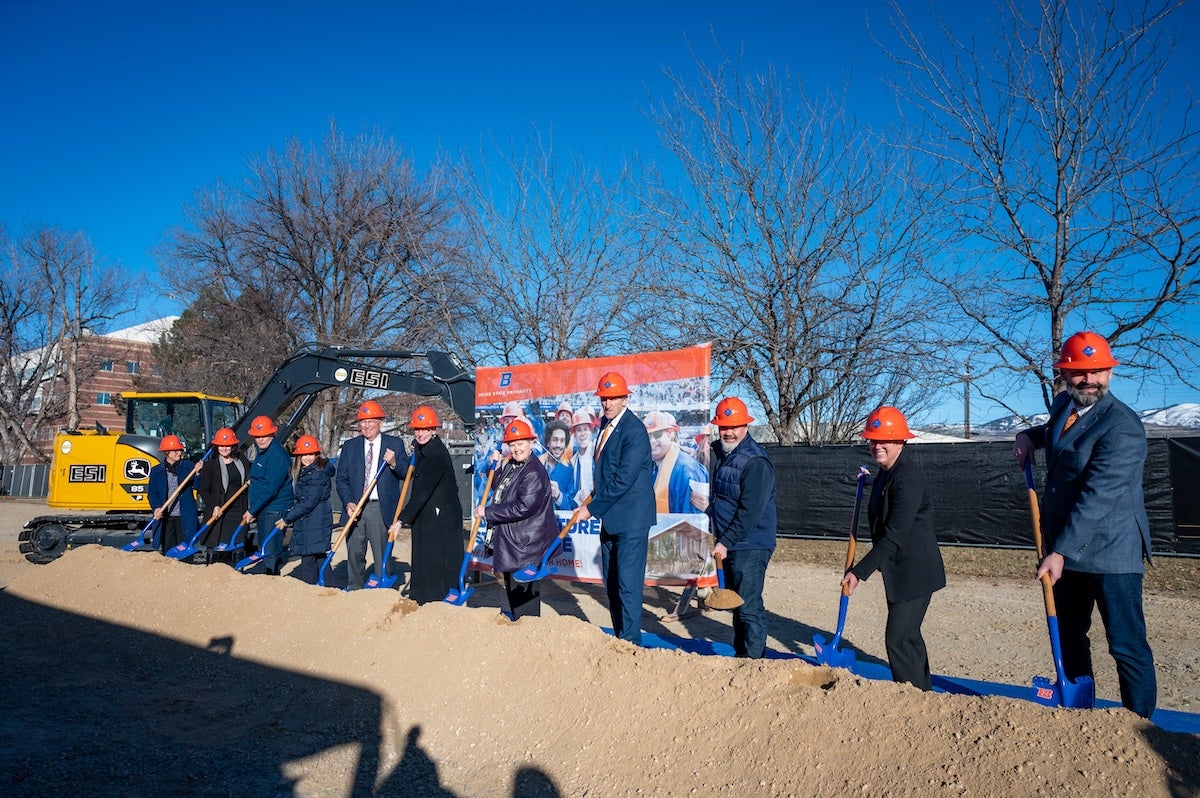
[(374, 581), (531, 574), (248, 561), (458, 596), (182, 551), (829, 654), (136, 545), (722, 598)]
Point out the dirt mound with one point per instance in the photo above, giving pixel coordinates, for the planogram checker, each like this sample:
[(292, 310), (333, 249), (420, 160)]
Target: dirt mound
[(143, 675)]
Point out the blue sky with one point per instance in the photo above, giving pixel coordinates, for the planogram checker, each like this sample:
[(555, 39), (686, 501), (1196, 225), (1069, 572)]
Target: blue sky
[(117, 113)]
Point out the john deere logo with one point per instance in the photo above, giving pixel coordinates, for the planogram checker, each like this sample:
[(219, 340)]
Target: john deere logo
[(137, 469)]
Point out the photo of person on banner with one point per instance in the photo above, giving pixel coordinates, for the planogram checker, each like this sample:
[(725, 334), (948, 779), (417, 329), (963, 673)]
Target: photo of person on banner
[(680, 482)]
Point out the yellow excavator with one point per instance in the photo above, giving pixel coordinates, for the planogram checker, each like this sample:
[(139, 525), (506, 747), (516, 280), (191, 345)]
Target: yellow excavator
[(104, 475)]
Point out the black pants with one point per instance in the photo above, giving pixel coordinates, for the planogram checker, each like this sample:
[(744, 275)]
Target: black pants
[(905, 647), (524, 598)]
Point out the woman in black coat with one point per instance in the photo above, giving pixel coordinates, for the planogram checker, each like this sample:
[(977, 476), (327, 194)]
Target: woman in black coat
[(904, 546), (434, 512), (219, 480), (310, 515), (521, 517)]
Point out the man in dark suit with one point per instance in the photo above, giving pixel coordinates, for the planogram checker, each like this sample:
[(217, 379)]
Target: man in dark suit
[(1094, 518), (623, 500), (360, 458)]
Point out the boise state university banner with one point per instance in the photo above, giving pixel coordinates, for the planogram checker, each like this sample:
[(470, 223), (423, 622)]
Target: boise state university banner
[(670, 396)]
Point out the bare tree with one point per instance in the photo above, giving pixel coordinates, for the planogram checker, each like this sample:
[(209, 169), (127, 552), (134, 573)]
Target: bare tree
[(797, 232), (346, 244), (564, 265), (1073, 176), (53, 293)]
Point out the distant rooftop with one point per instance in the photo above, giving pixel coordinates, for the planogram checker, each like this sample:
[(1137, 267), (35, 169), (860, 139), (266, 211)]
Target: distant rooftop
[(147, 332)]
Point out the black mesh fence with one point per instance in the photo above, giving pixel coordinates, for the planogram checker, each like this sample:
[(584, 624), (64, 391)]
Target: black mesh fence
[(979, 494)]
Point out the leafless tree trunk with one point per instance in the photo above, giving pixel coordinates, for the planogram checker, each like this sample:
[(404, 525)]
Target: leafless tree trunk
[(1073, 176), (797, 233), (564, 265), (53, 291), (341, 244)]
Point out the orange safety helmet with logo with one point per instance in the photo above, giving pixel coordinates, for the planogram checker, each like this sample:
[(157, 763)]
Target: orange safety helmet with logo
[(224, 437), (370, 409), (732, 412), (887, 424), (306, 444), (612, 386), (1085, 351), (262, 426), (170, 443), (518, 429), (424, 418)]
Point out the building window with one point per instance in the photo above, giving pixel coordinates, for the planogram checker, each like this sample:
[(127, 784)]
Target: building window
[(133, 366), (104, 398), (106, 365)]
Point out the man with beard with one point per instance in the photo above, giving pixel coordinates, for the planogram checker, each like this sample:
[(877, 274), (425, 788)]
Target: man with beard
[(1094, 518), (742, 518)]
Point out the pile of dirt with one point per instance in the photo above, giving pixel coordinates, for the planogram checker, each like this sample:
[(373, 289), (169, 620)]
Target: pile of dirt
[(140, 675)]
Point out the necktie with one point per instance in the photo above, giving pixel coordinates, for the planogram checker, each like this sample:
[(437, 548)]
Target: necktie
[(370, 471), (1071, 419), (603, 438)]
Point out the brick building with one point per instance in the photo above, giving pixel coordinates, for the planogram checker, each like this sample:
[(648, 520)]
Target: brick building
[(108, 365)]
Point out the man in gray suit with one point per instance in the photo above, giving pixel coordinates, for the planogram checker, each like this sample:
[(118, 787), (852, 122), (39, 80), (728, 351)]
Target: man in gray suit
[(1094, 518)]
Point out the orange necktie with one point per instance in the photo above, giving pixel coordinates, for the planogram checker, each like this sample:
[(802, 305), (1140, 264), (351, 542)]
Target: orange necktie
[(603, 438), (1071, 419)]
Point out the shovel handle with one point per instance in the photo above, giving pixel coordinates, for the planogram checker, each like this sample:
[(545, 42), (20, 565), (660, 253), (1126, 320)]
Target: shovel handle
[(1036, 513), (228, 502), (863, 473), (358, 508), (412, 463)]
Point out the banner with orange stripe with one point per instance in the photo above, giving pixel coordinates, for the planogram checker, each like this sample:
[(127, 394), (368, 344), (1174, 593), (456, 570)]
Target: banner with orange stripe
[(669, 393)]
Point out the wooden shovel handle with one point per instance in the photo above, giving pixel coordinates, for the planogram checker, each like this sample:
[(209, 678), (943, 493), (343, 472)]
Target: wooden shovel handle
[(1036, 513)]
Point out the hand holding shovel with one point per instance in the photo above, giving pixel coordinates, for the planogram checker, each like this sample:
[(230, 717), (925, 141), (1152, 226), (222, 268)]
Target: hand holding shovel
[(387, 580), (828, 653), (1079, 693), (721, 597), (188, 549), (349, 523)]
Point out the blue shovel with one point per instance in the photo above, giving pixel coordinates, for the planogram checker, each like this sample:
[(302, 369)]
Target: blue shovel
[(531, 574), (188, 549), (458, 595), (828, 653), (1079, 693), (257, 556), (140, 541), (349, 523), (388, 580)]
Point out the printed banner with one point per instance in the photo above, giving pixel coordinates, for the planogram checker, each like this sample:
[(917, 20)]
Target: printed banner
[(670, 396)]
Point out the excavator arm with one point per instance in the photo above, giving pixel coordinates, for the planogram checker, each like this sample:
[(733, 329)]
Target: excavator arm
[(307, 373)]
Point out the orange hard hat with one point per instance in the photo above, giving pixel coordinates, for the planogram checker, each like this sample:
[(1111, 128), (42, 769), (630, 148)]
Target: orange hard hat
[(424, 418), (1085, 351), (513, 410), (518, 429), (224, 437), (732, 412), (584, 417), (887, 424), (306, 444), (369, 409), (657, 420), (262, 426), (170, 443), (612, 386)]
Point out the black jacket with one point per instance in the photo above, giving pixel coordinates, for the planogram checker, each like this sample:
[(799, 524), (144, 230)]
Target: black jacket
[(904, 546)]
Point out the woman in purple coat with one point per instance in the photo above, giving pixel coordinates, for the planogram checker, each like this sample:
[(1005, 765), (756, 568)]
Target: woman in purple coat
[(521, 516)]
